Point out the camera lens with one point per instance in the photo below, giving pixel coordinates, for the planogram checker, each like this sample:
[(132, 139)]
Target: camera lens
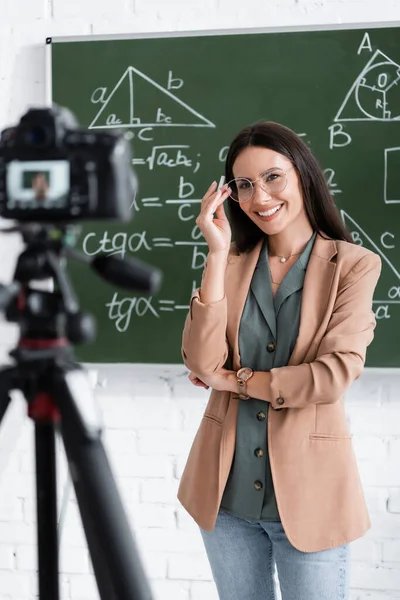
[(36, 136)]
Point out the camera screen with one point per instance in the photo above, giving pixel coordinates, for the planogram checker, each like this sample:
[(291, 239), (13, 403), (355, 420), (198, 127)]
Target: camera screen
[(37, 184)]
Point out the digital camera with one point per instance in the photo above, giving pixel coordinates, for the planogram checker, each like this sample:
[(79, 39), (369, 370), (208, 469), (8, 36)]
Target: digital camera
[(53, 171)]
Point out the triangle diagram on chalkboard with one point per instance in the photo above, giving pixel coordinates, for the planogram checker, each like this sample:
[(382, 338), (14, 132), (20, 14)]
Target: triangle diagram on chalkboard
[(389, 272), (138, 101), (375, 94)]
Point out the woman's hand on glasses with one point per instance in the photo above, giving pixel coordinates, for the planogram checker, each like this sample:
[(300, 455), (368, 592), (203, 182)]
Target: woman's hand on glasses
[(212, 220)]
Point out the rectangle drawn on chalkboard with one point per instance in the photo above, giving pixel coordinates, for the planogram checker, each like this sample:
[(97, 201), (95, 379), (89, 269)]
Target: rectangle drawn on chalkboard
[(391, 184)]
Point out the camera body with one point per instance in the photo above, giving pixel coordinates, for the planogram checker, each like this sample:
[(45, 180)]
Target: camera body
[(53, 171)]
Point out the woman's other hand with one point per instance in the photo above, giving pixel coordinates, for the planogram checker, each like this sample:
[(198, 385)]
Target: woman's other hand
[(222, 380), (197, 382)]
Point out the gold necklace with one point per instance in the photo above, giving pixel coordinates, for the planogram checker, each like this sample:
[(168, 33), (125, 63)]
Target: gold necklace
[(283, 259), (272, 280)]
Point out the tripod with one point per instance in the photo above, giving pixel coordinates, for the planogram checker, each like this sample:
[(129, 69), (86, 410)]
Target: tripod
[(59, 397)]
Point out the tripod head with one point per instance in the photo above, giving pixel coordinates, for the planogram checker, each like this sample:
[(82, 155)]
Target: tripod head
[(44, 315)]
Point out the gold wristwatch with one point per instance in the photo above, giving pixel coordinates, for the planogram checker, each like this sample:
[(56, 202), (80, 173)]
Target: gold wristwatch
[(243, 375)]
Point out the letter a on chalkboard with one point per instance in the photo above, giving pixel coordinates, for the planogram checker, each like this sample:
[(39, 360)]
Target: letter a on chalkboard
[(138, 101), (375, 94)]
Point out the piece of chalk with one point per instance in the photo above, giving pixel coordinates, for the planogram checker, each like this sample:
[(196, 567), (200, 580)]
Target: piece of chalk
[(221, 182)]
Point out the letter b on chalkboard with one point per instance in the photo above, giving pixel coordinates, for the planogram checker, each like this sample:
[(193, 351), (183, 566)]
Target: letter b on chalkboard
[(198, 259)]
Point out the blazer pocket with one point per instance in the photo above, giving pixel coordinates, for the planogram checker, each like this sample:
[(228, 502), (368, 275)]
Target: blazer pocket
[(329, 437), (213, 419)]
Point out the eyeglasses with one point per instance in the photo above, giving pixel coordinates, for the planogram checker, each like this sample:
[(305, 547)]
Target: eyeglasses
[(272, 181)]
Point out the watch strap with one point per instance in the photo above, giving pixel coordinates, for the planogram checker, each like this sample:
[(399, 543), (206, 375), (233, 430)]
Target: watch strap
[(243, 375)]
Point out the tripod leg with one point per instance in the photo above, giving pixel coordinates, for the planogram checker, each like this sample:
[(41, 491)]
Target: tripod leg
[(95, 488), (45, 490), (12, 414), (100, 566), (104, 582), (46, 493), (7, 375)]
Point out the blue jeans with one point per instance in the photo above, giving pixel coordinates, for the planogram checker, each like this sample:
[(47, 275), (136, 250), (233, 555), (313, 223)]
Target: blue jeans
[(243, 554)]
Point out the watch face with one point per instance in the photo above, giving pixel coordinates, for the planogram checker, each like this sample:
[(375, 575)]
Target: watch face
[(244, 373)]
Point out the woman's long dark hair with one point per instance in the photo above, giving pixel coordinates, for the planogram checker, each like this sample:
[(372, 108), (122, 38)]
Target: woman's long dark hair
[(320, 207)]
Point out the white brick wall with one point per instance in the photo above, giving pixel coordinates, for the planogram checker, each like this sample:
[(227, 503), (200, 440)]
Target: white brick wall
[(151, 415)]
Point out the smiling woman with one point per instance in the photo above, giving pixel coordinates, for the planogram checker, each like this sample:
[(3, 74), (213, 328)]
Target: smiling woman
[(305, 191), (279, 330), (276, 189)]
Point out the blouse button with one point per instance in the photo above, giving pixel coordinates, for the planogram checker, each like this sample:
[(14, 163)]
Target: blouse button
[(259, 452), (258, 485)]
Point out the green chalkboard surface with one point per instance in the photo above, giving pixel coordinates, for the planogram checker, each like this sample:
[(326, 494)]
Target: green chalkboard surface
[(183, 98)]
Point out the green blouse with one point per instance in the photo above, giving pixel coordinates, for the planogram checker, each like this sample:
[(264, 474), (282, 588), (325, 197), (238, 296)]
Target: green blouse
[(268, 331)]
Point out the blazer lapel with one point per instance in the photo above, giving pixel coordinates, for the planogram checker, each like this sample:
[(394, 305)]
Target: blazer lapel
[(260, 281), (316, 293), (292, 282), (239, 274)]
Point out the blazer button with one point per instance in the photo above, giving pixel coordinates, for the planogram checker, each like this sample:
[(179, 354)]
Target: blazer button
[(261, 415), (259, 452), (280, 400), (271, 347), (258, 485)]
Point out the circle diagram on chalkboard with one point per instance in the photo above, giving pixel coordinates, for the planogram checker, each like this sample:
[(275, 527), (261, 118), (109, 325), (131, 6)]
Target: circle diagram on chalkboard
[(375, 94), (138, 101)]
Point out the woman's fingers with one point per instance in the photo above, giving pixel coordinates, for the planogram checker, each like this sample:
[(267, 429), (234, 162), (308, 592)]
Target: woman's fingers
[(212, 203), (202, 384), (197, 382), (216, 231), (220, 211), (211, 190), (209, 206)]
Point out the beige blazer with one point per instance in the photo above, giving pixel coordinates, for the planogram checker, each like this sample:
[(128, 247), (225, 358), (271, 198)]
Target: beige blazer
[(314, 470)]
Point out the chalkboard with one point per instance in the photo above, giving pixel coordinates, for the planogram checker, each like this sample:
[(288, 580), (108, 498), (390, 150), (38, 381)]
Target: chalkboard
[(183, 98)]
